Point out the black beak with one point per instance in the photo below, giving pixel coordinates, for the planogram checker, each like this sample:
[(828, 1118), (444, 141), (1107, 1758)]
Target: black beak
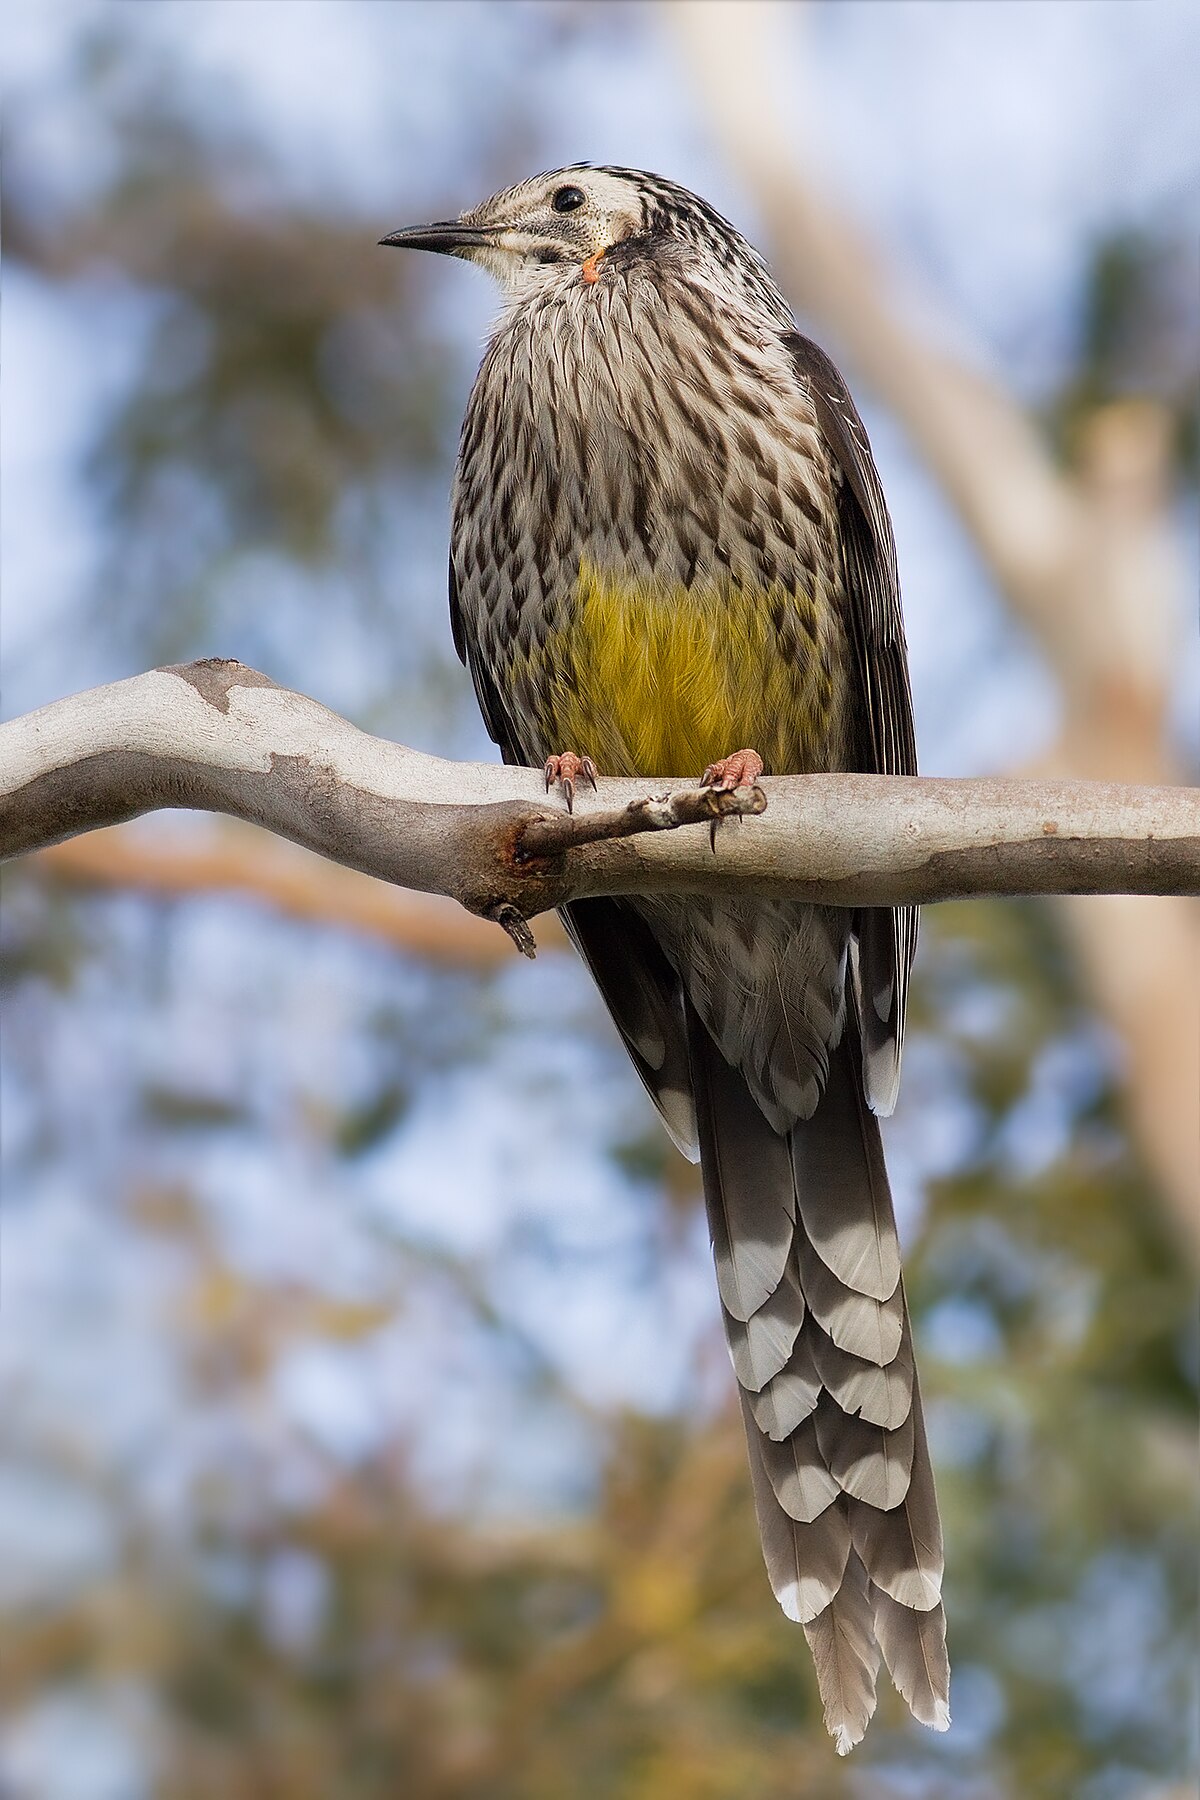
[(447, 236)]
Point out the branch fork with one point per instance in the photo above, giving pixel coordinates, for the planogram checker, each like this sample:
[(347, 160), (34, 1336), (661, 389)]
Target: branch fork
[(553, 834), (548, 838)]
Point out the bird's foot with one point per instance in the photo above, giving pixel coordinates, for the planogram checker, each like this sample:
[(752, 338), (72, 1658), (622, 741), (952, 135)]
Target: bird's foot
[(741, 769), (566, 770)]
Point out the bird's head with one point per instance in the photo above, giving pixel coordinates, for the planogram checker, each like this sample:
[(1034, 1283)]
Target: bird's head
[(563, 224), (523, 236)]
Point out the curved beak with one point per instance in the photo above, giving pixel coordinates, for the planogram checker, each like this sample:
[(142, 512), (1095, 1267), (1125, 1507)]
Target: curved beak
[(447, 236)]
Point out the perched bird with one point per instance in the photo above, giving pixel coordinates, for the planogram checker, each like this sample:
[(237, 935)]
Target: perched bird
[(670, 554)]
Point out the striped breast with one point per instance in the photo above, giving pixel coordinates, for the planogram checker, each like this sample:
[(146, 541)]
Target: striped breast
[(644, 542)]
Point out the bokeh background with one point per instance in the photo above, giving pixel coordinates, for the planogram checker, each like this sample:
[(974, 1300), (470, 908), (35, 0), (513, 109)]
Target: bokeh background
[(366, 1428)]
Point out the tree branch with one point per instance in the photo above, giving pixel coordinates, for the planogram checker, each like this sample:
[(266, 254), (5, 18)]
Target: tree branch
[(221, 737)]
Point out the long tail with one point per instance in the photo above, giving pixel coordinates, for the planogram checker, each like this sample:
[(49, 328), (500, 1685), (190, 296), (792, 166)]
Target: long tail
[(808, 1266)]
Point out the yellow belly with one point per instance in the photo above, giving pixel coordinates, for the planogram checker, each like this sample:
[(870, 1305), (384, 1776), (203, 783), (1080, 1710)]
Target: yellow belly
[(650, 679)]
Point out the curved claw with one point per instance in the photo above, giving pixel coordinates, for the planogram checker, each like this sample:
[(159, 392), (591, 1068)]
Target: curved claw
[(740, 769), (565, 769)]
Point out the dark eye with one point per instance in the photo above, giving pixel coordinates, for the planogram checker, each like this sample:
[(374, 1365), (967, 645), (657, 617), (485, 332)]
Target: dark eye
[(568, 198)]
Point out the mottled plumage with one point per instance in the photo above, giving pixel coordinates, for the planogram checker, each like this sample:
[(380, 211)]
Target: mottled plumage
[(669, 542)]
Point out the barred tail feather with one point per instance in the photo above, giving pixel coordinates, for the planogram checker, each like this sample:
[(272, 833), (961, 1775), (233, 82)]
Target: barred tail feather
[(806, 1561), (843, 1485), (914, 1648), (845, 1647), (903, 1548)]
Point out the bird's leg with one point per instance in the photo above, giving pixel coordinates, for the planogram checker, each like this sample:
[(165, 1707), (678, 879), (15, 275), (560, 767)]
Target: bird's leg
[(566, 770), (740, 769)]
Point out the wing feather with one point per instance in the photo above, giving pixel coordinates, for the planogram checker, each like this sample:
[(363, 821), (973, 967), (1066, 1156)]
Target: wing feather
[(886, 938)]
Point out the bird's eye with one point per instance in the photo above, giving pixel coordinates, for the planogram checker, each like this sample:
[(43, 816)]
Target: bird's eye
[(567, 199)]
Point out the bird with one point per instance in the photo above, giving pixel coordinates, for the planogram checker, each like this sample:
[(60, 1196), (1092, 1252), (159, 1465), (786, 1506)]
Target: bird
[(670, 556)]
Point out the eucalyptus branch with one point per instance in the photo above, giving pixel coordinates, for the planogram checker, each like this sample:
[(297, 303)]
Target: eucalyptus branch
[(223, 738)]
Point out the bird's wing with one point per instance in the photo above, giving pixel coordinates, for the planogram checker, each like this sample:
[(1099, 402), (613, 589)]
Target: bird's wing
[(495, 715), (645, 999), (886, 937)]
